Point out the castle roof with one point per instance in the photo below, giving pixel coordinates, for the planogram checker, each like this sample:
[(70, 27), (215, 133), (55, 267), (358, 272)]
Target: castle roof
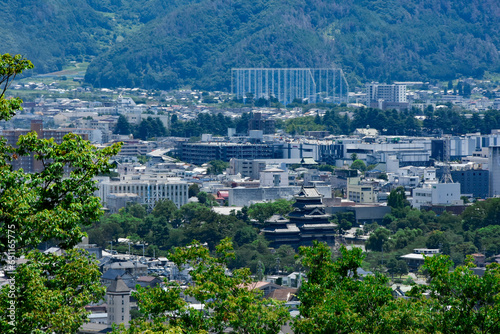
[(118, 285)]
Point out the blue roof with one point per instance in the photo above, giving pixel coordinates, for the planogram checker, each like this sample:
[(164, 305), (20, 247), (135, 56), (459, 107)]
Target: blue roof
[(112, 274)]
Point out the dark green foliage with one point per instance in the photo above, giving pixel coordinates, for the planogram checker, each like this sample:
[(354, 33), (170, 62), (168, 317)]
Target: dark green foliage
[(122, 127), (263, 211), (193, 190), (217, 167), (198, 43), (482, 214), (359, 165), (150, 128), (216, 124), (378, 240)]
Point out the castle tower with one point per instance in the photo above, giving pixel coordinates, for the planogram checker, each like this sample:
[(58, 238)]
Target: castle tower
[(118, 298)]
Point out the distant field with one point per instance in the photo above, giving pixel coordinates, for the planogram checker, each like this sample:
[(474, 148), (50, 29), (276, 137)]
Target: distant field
[(71, 70)]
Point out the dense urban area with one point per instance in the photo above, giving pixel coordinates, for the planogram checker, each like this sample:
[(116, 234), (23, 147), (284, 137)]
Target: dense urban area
[(387, 180)]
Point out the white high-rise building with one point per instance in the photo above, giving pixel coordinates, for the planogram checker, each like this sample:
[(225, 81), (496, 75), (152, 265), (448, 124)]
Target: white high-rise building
[(389, 93), (494, 167)]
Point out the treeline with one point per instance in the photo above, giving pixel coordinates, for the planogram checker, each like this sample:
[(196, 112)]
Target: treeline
[(335, 298), (335, 120), (147, 129), (197, 43), (216, 124), (476, 230), (167, 227), (392, 122)]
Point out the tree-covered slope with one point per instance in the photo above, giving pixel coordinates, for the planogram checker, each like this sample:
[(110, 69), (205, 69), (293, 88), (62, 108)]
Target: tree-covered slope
[(197, 44), (52, 32), (167, 44)]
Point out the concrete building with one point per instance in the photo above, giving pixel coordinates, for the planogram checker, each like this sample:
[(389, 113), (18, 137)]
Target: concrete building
[(260, 123), (494, 168), (246, 168), (200, 153), (150, 188), (245, 196), (28, 163), (474, 182), (274, 177), (118, 300), (385, 96), (359, 192), (436, 193)]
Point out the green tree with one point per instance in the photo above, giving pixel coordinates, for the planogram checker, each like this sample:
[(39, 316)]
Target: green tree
[(52, 205), (378, 240), (122, 127), (335, 300), (193, 190), (459, 301), (359, 165), (263, 211), (232, 302), (217, 167), (397, 198)]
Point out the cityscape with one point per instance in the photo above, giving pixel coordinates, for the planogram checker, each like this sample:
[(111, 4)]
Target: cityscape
[(255, 167)]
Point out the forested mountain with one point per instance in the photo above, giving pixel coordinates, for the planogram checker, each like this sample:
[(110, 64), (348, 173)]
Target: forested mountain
[(167, 44)]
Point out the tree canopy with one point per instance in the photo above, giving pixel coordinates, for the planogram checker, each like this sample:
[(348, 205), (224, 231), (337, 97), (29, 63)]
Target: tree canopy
[(48, 292)]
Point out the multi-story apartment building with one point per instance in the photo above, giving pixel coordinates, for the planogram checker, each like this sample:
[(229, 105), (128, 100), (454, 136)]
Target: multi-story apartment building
[(150, 188), (28, 163)]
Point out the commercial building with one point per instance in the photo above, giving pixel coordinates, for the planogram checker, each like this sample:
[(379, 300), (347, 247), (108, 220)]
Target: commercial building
[(436, 193), (385, 96), (200, 153), (474, 182), (359, 192), (28, 163), (150, 188), (494, 168)]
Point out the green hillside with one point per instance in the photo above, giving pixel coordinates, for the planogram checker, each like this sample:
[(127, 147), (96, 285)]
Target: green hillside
[(197, 44), (168, 44)]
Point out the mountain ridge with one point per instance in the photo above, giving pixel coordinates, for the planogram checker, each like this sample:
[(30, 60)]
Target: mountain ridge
[(170, 44)]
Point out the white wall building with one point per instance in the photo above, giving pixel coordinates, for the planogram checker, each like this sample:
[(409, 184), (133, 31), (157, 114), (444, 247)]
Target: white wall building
[(437, 194), (274, 177), (391, 93), (494, 167), (150, 188)]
